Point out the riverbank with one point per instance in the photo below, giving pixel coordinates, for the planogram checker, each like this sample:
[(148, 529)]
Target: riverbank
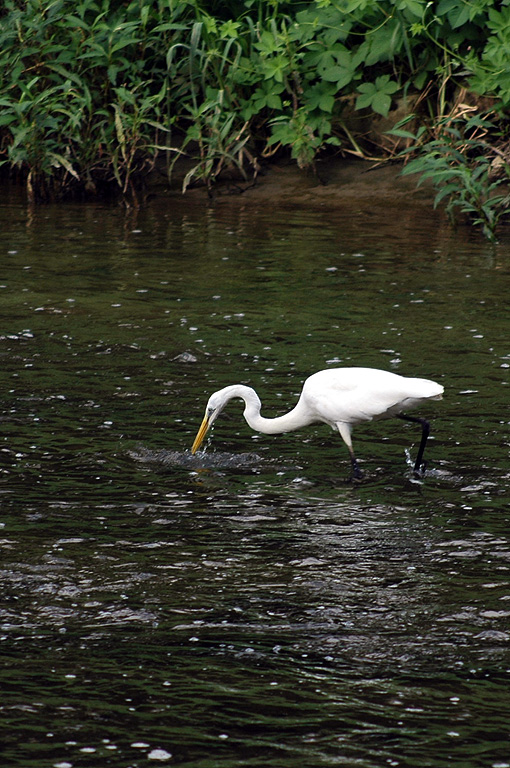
[(334, 182)]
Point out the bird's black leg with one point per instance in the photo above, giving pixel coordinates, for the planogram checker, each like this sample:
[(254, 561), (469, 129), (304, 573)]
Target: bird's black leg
[(356, 471), (425, 431)]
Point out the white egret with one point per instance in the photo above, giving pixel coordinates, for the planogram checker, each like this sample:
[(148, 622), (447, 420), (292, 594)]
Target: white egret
[(340, 397)]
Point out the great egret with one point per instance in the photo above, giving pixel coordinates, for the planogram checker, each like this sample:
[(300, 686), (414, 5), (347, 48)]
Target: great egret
[(340, 397)]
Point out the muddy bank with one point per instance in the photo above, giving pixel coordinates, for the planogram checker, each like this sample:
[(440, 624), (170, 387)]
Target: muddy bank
[(334, 182)]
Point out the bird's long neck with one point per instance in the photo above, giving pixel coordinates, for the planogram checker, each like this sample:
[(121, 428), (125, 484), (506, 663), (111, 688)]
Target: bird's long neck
[(294, 419)]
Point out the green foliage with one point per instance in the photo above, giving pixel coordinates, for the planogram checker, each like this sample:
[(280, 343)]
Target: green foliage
[(492, 68), (460, 162), (377, 95), (212, 129), (79, 105), (91, 91), (303, 133)]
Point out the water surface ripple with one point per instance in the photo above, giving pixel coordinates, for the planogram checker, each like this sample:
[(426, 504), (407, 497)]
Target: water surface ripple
[(249, 606)]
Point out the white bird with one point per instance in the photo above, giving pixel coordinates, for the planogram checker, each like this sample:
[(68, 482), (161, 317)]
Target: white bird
[(340, 397)]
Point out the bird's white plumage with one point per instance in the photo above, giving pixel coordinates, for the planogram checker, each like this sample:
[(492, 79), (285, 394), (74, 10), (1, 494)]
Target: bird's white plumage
[(340, 397), (355, 395)]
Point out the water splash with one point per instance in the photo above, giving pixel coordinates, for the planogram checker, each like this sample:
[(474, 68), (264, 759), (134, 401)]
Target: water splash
[(200, 460)]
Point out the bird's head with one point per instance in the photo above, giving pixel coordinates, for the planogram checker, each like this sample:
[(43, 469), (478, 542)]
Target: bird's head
[(214, 407)]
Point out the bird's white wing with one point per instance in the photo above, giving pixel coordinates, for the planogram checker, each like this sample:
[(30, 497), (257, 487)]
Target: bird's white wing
[(354, 395)]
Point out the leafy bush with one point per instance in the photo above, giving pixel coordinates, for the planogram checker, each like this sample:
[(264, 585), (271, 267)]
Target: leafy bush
[(92, 91), (470, 172), (81, 93)]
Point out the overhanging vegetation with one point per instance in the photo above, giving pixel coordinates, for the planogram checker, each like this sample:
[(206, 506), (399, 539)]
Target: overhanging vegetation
[(93, 91)]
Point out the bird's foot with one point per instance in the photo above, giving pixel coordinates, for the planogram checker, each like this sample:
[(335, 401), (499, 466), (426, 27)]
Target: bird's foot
[(357, 474), (419, 471)]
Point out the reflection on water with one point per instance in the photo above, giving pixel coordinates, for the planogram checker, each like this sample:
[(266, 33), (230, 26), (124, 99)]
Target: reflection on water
[(248, 605)]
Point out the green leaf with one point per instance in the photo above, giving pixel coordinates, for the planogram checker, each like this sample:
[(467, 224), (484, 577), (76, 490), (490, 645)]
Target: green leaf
[(327, 102), (402, 134), (385, 84), (364, 100), (7, 119), (273, 101), (414, 7), (333, 74), (381, 103), (448, 189), (58, 159), (230, 29)]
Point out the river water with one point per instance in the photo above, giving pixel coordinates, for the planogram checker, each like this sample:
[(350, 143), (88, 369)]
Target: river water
[(249, 606)]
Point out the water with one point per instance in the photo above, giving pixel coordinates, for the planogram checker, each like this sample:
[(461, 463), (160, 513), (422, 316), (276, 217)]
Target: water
[(249, 606)]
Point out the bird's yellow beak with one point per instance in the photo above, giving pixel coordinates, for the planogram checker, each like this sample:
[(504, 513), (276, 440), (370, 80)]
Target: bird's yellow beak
[(200, 434)]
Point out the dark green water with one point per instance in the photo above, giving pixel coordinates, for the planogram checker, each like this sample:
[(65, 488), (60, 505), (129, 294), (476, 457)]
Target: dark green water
[(249, 607)]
